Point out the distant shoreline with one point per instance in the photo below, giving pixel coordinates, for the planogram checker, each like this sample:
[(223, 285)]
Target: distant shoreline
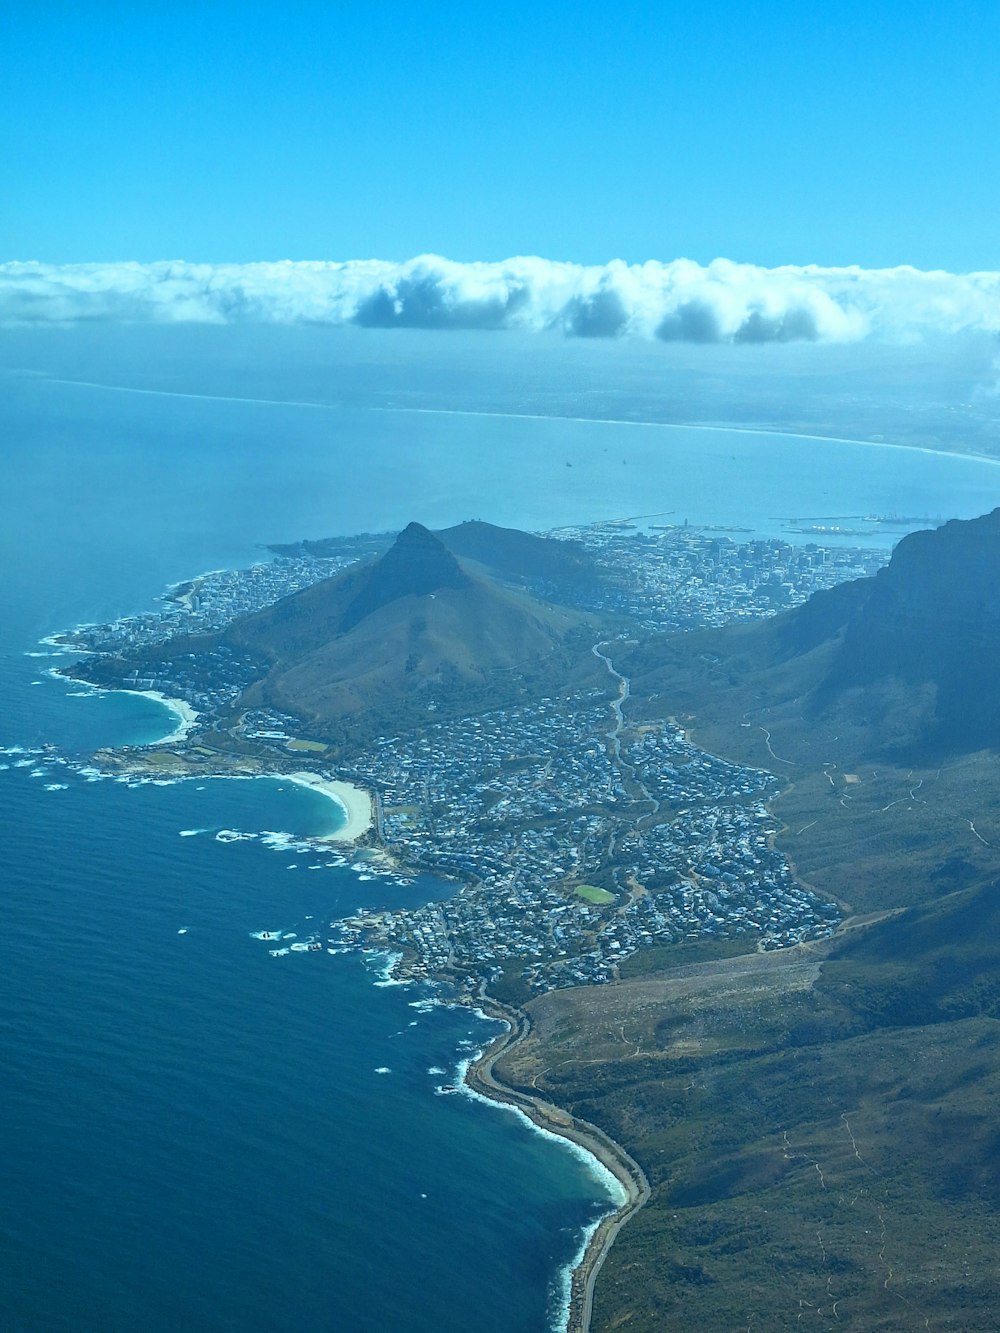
[(718, 426), (772, 429), (481, 1079)]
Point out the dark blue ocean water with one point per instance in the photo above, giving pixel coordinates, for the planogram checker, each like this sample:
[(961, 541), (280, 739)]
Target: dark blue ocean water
[(194, 1132)]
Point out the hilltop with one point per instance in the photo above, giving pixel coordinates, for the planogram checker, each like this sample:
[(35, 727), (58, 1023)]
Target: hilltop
[(413, 629), (556, 568)]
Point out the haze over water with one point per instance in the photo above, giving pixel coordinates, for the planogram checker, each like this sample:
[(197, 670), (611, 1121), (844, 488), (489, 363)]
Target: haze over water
[(197, 1134)]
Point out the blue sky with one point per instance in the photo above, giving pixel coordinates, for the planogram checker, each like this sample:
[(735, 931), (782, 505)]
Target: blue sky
[(771, 133)]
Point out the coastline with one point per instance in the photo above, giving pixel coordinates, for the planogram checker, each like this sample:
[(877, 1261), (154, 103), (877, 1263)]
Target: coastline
[(533, 416), (482, 1081), (355, 802), (188, 715), (479, 1078), (974, 454)]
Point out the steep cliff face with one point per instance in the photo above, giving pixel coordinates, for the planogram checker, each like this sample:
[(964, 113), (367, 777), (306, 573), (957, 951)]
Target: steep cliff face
[(924, 635), (908, 662), (934, 610), (416, 565)]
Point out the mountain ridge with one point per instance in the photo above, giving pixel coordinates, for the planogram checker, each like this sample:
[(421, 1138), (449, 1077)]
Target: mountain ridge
[(561, 566), (902, 662), (417, 564)]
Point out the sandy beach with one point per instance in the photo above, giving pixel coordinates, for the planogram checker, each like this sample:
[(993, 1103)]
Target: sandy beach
[(354, 801), (187, 715)]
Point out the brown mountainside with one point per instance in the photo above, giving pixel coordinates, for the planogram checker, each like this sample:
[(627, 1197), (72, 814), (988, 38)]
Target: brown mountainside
[(818, 1125), (561, 568), (900, 665), (410, 629)]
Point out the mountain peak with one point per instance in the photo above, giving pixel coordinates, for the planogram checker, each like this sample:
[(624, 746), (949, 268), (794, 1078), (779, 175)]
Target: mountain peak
[(416, 565), (414, 532)]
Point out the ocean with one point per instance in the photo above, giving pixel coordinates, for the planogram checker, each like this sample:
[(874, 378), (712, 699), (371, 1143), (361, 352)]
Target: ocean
[(198, 1134)]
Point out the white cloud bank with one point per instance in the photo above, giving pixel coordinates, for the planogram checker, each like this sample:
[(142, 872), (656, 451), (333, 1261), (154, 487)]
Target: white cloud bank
[(677, 301)]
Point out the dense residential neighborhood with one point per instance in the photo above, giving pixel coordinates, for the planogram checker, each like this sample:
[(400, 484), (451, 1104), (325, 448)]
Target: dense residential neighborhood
[(530, 810), (577, 835), (685, 577)]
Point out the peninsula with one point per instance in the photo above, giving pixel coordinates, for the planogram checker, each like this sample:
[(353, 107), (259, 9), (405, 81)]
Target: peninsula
[(711, 806)]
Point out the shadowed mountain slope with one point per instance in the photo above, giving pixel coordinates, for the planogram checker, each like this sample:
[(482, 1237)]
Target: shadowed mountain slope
[(561, 568), (522, 557), (416, 565), (903, 663)]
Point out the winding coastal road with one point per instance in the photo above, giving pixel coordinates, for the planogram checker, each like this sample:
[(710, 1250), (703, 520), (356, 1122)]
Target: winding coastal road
[(482, 1079)]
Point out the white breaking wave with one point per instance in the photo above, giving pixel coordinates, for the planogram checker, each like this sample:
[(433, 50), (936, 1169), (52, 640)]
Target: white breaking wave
[(678, 300)]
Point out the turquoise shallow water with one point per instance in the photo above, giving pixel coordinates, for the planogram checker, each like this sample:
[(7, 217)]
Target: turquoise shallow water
[(196, 1135)]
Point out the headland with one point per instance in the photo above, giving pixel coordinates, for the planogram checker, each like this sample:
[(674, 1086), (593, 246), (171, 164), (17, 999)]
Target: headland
[(651, 909)]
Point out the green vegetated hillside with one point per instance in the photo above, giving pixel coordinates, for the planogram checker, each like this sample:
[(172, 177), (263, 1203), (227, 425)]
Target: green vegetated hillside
[(819, 1129), (819, 1126)]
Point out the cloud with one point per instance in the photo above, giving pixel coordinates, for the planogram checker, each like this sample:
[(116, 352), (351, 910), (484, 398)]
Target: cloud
[(679, 301)]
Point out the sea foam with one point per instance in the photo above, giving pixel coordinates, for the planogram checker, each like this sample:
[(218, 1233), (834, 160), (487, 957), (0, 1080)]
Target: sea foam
[(385, 969), (601, 1173)]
